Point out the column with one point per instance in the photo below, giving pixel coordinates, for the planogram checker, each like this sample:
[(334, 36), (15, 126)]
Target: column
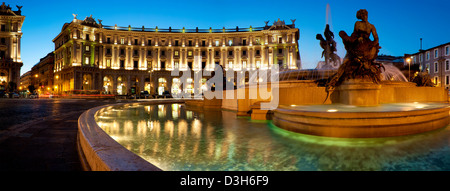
[(103, 63), (270, 56), (144, 55), (92, 60), (211, 60), (127, 58), (18, 48)]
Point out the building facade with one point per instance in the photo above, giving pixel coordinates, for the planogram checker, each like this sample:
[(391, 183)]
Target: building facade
[(435, 61), (42, 76), (10, 37), (90, 56)]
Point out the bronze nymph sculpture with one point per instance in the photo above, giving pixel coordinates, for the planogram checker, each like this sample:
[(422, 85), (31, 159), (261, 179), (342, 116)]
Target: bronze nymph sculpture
[(361, 53), (332, 60)]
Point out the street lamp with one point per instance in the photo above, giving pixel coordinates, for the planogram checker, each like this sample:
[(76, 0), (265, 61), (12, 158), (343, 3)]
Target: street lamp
[(409, 68)]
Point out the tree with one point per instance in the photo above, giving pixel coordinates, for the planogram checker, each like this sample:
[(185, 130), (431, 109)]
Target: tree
[(31, 88)]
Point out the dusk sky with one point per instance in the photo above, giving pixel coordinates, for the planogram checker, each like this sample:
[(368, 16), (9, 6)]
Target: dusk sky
[(400, 23)]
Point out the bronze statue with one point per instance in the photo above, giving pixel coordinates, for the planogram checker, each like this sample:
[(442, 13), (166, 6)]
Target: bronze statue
[(329, 48), (361, 53)]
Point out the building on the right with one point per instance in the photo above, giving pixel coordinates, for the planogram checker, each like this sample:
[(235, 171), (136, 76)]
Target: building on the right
[(435, 61)]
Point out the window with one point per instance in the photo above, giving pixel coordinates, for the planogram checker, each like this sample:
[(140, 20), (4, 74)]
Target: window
[(258, 52), (280, 62), (163, 53), (163, 65), (176, 64), (136, 53), (190, 43), (176, 53), (190, 65), (447, 65), (176, 43), (149, 42), (108, 40), (108, 51), (244, 64), (217, 43), (436, 53), (122, 63), (135, 41), (230, 42), (244, 53), (122, 41), (122, 51), (86, 60), (217, 53), (447, 50), (280, 51), (3, 41), (3, 27), (190, 53), (203, 53), (280, 40), (436, 67), (428, 56), (87, 36), (420, 58), (149, 52), (244, 42), (203, 65), (436, 79), (87, 48), (203, 43), (230, 53), (108, 63), (135, 64), (446, 80)]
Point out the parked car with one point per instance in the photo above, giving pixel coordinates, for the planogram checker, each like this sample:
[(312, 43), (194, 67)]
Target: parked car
[(33, 96), (14, 95), (53, 96)]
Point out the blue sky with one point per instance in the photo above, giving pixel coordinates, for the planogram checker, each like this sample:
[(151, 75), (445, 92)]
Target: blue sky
[(400, 23)]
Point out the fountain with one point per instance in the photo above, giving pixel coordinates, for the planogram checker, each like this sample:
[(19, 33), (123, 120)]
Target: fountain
[(360, 105), (312, 128)]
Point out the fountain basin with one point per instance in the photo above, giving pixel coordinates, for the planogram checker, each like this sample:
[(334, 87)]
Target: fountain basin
[(99, 152), (385, 120)]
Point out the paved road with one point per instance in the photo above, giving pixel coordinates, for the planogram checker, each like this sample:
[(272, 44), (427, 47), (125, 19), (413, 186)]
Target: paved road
[(40, 134)]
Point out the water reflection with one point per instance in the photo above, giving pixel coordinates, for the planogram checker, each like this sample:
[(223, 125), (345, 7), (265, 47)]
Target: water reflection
[(174, 138)]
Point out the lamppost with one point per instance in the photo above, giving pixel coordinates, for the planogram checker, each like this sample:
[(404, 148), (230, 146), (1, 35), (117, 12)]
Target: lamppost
[(409, 68)]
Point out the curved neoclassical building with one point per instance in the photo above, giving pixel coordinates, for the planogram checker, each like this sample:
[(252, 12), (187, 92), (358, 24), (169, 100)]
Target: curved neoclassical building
[(90, 56)]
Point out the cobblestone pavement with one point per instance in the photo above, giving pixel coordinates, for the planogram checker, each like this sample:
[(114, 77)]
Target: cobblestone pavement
[(40, 134)]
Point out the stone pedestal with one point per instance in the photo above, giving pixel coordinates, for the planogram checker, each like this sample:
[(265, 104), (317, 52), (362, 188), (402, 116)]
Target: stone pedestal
[(359, 92)]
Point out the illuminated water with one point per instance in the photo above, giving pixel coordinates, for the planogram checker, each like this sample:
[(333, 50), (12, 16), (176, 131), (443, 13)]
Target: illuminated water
[(173, 138)]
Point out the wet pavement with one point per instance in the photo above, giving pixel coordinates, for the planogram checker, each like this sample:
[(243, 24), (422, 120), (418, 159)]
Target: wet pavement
[(40, 134)]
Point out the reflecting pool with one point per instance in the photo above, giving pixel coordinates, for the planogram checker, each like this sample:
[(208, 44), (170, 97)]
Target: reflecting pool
[(174, 138)]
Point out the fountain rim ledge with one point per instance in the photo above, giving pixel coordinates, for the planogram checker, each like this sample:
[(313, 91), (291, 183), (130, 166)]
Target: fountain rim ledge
[(100, 152)]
